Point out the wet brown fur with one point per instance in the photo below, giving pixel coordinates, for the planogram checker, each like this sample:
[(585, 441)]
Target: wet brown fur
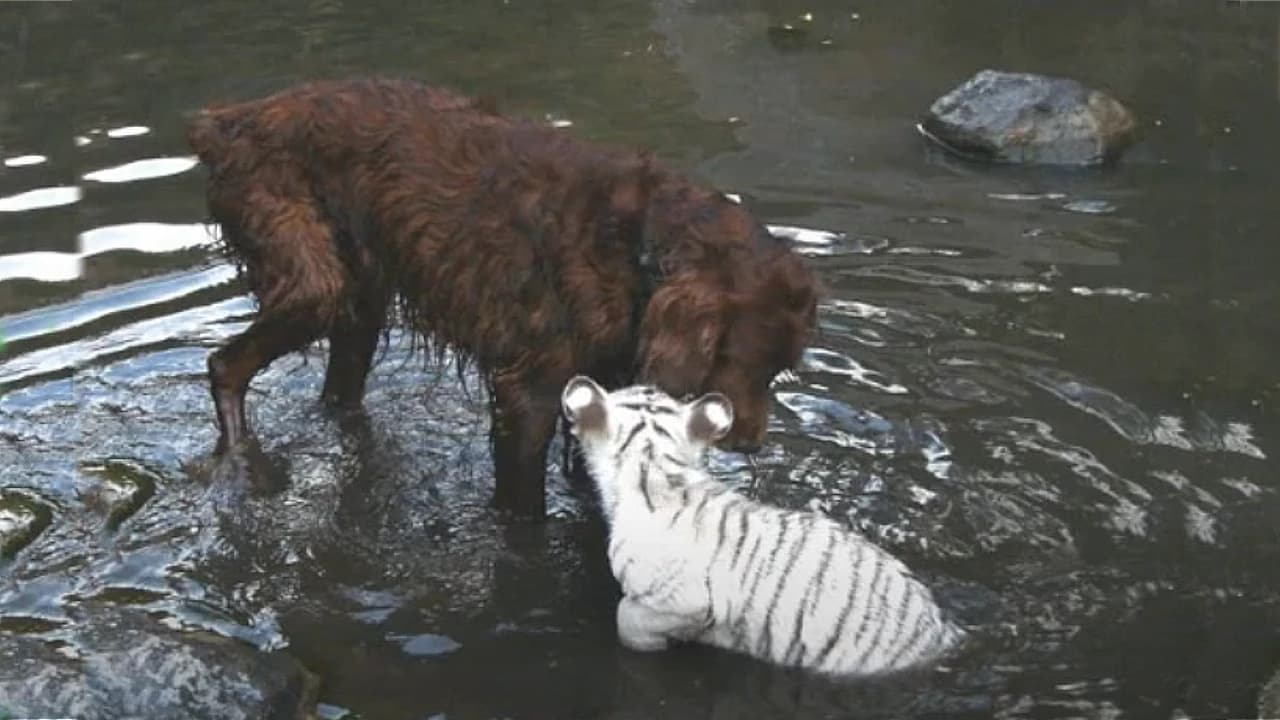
[(534, 255)]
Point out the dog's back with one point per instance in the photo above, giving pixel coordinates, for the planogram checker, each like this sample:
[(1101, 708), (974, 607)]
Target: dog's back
[(335, 114), (297, 180)]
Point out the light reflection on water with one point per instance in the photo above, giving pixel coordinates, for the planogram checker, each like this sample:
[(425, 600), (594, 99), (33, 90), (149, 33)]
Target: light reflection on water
[(147, 237), (142, 170), (24, 160), (42, 266), (41, 198)]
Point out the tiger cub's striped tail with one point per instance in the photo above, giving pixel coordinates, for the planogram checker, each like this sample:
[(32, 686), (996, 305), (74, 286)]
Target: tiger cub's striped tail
[(699, 562)]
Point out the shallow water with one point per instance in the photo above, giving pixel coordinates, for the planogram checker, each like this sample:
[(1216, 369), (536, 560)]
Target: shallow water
[(1051, 391)]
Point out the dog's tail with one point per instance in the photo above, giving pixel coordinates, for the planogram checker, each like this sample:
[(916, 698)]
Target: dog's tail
[(210, 132)]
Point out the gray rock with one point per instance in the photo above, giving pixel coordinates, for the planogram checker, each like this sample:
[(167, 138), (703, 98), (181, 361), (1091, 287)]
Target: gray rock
[(124, 487), (23, 516), (1033, 119), (118, 662), (1269, 699)]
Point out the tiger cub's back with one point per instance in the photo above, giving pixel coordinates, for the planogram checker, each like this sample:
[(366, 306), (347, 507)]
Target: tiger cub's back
[(798, 589)]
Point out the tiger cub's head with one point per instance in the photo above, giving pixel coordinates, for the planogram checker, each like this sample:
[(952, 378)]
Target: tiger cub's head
[(641, 423)]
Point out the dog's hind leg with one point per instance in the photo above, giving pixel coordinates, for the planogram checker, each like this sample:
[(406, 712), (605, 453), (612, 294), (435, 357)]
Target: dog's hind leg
[(299, 281), (233, 365), (352, 343)]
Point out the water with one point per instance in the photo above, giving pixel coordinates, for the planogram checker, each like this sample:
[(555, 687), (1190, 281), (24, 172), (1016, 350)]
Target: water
[(1051, 391)]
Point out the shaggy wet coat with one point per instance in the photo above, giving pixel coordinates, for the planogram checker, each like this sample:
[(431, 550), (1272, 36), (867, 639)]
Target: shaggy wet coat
[(530, 253)]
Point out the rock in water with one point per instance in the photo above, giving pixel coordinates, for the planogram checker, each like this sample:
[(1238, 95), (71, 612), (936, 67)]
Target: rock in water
[(23, 516), (1027, 118), (118, 662)]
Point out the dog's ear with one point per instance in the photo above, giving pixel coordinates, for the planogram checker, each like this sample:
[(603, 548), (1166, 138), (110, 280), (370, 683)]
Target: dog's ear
[(680, 337), (630, 195)]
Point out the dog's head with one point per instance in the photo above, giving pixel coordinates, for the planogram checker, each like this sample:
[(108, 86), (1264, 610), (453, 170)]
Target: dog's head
[(734, 306)]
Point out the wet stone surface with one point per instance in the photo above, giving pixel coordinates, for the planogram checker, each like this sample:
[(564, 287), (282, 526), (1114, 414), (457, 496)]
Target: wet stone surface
[(123, 487), (115, 662), (23, 516), (1033, 119)]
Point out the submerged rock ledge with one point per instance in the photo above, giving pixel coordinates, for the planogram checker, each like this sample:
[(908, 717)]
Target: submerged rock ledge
[(120, 662)]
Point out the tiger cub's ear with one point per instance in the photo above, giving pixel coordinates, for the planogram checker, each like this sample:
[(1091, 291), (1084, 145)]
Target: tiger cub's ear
[(710, 418), (583, 403)]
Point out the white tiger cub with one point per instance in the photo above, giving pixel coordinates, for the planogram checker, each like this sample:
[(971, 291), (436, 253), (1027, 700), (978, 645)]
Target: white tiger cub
[(699, 562)]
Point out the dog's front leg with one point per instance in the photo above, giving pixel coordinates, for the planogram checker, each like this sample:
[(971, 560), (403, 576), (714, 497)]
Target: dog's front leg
[(522, 426)]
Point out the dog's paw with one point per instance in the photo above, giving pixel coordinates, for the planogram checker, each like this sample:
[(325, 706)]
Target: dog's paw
[(240, 471)]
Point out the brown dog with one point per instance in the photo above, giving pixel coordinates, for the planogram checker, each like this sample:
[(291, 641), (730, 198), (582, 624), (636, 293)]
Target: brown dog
[(534, 255)]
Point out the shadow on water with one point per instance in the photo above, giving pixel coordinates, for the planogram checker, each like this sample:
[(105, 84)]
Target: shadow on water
[(1049, 391)]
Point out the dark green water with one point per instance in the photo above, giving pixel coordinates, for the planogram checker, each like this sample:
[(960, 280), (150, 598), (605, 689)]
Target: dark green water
[(1053, 392)]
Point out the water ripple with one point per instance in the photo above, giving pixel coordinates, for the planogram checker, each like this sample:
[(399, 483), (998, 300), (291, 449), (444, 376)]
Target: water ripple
[(829, 361), (1126, 293), (916, 276), (1023, 197), (45, 266), (118, 299), (1121, 415), (1130, 422), (148, 237), (41, 198), (156, 238), (194, 325), (835, 422), (808, 241), (911, 322), (128, 131), (143, 170), (1090, 207), (24, 160), (1124, 504)]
